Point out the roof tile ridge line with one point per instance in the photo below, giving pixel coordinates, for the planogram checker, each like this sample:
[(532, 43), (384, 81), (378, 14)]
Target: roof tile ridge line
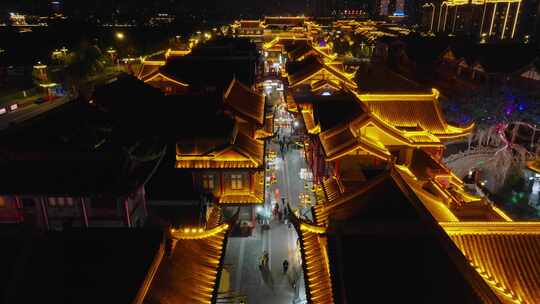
[(478, 285), (337, 129), (336, 71), (246, 153), (394, 132), (167, 77), (151, 273), (360, 191), (229, 89), (363, 104), (438, 109), (222, 257), (297, 224)]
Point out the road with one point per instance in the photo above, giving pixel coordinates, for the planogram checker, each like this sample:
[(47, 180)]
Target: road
[(269, 285), (30, 111)]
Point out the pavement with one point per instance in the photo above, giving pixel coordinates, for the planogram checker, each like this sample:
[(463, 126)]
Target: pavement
[(269, 285)]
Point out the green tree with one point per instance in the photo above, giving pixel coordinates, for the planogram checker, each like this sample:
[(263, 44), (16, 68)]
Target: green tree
[(85, 62)]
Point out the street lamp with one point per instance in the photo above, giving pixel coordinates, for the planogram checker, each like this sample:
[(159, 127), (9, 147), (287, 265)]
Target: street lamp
[(120, 36)]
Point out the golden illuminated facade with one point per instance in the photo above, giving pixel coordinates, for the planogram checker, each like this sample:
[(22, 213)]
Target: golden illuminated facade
[(231, 166), (401, 136), (273, 27)]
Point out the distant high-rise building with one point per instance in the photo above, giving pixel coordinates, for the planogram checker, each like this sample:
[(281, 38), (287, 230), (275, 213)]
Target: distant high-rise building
[(487, 20), (399, 7), (383, 7), (390, 7), (56, 6)]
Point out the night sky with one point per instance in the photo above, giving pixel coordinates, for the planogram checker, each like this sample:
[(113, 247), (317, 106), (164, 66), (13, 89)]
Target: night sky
[(236, 6)]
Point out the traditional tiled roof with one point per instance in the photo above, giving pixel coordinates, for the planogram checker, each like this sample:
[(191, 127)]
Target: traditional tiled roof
[(312, 66), (489, 56), (149, 68), (332, 189), (78, 265), (245, 102), (324, 83), (435, 204), (291, 104), (506, 255), (191, 274), (298, 50), (389, 198), (243, 152), (315, 264), (342, 140), (160, 75), (267, 130), (386, 198), (250, 23), (309, 122), (215, 218), (534, 166), (413, 111)]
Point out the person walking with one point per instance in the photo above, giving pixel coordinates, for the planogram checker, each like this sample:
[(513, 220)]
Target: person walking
[(285, 266), (264, 260)]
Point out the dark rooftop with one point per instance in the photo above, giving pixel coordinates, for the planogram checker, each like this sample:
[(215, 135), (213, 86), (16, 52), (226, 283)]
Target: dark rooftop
[(210, 71), (171, 184), (379, 79), (225, 46), (330, 111), (76, 266), (199, 116), (384, 247), (76, 149), (498, 58)]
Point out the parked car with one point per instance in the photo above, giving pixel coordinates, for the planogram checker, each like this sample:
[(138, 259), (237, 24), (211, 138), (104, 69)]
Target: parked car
[(40, 100)]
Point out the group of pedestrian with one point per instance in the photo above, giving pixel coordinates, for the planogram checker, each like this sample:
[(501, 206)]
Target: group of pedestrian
[(285, 142), (280, 213)]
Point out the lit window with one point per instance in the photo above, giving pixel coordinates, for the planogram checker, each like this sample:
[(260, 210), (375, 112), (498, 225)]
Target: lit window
[(208, 182), (3, 202), (236, 181)]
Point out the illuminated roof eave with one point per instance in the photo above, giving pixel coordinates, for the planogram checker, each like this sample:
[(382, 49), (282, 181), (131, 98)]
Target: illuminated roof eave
[(171, 52), (491, 228), (154, 62), (453, 132), (233, 199), (534, 166), (404, 97), (158, 74), (435, 205), (181, 235), (401, 136), (347, 81), (370, 149)]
